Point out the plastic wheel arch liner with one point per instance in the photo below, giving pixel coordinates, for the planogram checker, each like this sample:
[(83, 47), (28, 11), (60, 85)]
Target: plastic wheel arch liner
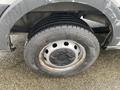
[(20, 7)]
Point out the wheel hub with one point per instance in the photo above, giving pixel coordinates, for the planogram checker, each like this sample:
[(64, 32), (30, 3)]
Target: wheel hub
[(62, 57)]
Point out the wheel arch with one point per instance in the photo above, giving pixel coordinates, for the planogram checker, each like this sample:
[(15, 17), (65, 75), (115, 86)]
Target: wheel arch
[(21, 7)]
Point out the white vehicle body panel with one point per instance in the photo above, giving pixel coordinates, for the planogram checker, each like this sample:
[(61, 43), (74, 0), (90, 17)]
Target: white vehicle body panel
[(117, 2), (6, 1), (18, 8)]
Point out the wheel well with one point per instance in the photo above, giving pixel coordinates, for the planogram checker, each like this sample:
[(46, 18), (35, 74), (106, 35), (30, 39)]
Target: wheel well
[(87, 13)]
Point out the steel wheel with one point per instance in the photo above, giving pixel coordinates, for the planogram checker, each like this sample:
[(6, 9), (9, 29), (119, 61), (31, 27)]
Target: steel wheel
[(62, 55)]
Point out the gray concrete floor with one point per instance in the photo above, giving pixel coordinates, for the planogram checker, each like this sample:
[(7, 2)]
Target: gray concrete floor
[(15, 75)]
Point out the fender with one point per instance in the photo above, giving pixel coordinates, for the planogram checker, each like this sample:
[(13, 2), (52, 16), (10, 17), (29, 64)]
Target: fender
[(3, 8), (21, 7)]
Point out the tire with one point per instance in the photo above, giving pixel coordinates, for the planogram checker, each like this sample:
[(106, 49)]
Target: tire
[(61, 32)]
